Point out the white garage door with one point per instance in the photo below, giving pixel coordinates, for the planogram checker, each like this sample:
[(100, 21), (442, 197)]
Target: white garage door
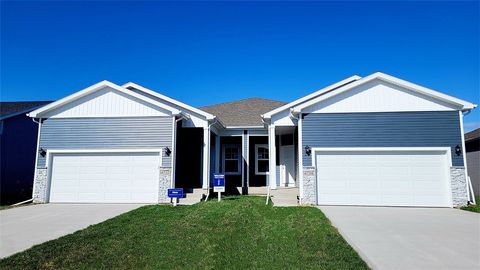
[(105, 178), (383, 178)]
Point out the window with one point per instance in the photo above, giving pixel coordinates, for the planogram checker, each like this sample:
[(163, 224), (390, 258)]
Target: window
[(231, 159), (261, 159)]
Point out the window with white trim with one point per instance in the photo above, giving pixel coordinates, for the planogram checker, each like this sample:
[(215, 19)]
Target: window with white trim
[(231, 159), (261, 159)]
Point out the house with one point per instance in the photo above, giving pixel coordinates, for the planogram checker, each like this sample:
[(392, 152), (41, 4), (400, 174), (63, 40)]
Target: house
[(472, 147), (376, 140), (18, 141)]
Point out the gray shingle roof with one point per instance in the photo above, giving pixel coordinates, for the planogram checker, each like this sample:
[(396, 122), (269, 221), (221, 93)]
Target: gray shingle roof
[(244, 113), (474, 134), (15, 107)]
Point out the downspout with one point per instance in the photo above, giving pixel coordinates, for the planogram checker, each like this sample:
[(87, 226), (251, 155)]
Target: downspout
[(293, 115)]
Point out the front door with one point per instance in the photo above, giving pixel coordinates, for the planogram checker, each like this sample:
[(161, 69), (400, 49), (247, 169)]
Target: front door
[(287, 159)]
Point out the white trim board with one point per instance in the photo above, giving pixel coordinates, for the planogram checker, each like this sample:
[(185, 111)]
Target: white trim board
[(263, 145)]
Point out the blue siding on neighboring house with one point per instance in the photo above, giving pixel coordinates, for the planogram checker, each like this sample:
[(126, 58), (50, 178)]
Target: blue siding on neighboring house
[(106, 133), (18, 144), (383, 129)]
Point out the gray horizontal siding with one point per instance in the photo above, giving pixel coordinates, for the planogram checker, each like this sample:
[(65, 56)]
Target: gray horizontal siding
[(390, 129), (106, 133)]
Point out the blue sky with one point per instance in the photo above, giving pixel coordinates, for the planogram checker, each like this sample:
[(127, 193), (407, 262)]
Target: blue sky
[(209, 52)]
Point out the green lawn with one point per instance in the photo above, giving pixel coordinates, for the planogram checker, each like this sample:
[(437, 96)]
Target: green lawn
[(473, 208), (237, 233)]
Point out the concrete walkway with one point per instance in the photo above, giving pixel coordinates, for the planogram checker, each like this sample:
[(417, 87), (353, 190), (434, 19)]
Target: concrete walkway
[(410, 238), (23, 227)]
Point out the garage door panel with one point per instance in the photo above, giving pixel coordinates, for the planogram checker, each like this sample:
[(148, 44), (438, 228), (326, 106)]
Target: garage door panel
[(371, 199), (358, 185), (396, 200), (87, 197), (392, 178), (420, 186), (333, 198), (94, 184), (118, 170), (338, 183), (105, 177), (65, 196), (427, 200)]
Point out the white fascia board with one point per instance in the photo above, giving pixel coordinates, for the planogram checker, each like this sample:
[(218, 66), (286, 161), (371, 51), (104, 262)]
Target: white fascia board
[(171, 100), (463, 105), (322, 91), (96, 87)]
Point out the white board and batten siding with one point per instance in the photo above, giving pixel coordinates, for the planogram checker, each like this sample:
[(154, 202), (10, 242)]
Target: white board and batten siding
[(374, 96), (107, 102), (378, 96), (383, 177)]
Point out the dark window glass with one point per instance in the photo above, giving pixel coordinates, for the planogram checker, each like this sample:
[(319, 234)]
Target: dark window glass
[(262, 166)]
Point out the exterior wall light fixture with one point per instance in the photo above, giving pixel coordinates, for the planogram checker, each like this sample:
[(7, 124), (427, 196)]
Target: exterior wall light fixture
[(458, 150), (168, 151), (42, 152), (308, 150)]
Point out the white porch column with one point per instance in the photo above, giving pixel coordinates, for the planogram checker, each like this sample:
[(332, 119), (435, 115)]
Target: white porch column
[(300, 157), (272, 161), (217, 154), (206, 158)]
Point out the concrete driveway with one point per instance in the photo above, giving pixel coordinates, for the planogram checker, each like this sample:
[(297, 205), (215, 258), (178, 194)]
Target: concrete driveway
[(410, 238), (23, 227)]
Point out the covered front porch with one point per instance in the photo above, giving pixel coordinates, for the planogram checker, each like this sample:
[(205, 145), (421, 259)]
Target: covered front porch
[(254, 160)]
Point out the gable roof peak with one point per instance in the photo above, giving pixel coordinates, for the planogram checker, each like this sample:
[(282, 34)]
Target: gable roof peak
[(94, 88)]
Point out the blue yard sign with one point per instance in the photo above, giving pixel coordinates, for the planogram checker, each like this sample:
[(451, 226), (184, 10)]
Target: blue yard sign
[(175, 192), (219, 184)]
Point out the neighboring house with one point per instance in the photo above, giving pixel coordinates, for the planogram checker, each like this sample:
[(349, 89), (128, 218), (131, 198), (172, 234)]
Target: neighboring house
[(472, 146), (376, 140), (18, 141)]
